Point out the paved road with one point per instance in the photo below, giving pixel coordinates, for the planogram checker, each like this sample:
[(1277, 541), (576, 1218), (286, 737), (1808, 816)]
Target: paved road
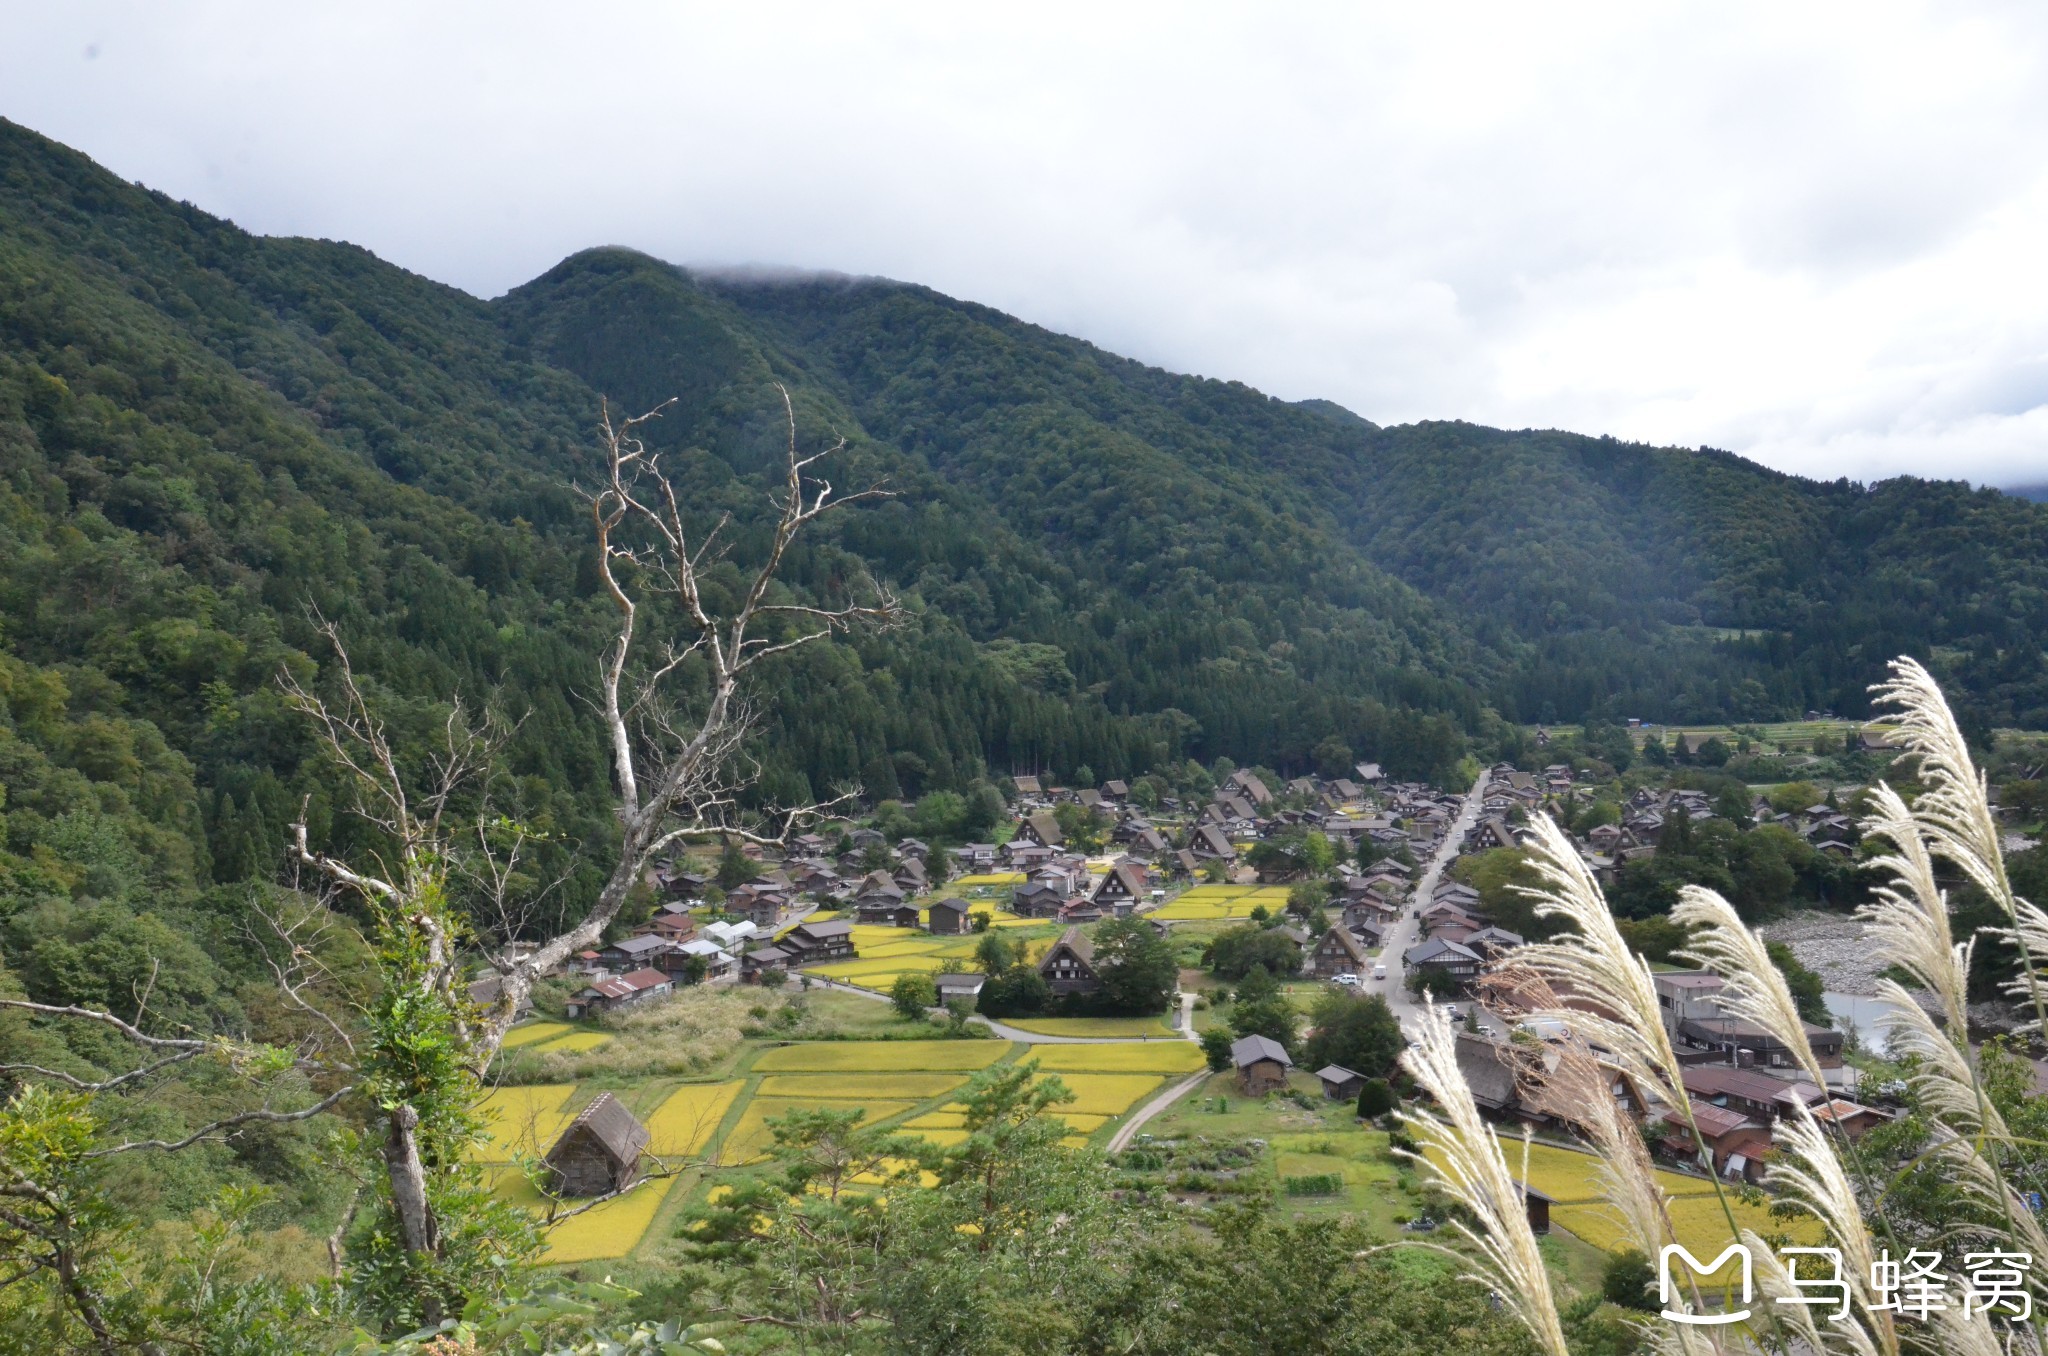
[(1406, 931)]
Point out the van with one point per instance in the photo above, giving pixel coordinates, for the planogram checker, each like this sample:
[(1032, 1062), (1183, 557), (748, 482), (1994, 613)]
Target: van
[(1379, 971)]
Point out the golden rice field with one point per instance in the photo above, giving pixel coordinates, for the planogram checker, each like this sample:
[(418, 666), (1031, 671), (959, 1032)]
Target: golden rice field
[(1155, 1057), (523, 1120), (1206, 902), (880, 1056), (990, 878), (573, 1043), (895, 1085), (751, 1138), (1103, 1094), (530, 1032), (684, 1124), (609, 1230), (1119, 1028)]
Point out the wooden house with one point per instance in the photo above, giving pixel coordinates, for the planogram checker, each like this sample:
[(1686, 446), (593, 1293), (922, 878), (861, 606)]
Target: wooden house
[(1119, 892), (1338, 952), (963, 984), (949, 918), (1262, 1064), (1339, 1083), (621, 991), (1070, 966), (1040, 830), (599, 1152)]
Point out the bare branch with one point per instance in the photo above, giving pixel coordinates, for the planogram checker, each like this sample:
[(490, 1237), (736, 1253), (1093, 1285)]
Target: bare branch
[(216, 1128)]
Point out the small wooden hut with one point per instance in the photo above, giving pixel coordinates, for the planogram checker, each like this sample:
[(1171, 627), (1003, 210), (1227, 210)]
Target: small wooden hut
[(599, 1153)]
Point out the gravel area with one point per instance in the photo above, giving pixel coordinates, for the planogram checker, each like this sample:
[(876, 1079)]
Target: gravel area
[(1831, 945)]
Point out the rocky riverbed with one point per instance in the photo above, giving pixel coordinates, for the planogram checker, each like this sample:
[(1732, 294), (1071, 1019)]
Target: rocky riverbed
[(1831, 945)]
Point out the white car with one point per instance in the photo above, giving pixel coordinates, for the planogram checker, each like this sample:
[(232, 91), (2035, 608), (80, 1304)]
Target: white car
[(1346, 981)]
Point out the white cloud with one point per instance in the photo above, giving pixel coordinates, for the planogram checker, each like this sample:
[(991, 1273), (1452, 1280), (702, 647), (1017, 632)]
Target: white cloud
[(1806, 233)]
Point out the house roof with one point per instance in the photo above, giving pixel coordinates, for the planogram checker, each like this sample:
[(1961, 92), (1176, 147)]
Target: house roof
[(955, 903), (1713, 1121), (1437, 949), (617, 1131), (1248, 1050), (1489, 1071), (1074, 940), (1336, 1073), (1346, 942), (1047, 828), (962, 980), (1715, 1080), (1690, 979), (834, 927), (640, 946)]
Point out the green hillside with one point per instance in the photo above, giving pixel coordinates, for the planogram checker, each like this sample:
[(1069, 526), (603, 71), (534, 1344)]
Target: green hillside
[(207, 436)]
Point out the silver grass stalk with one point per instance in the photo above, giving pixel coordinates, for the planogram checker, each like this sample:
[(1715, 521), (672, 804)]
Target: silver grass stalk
[(1807, 1171), (1594, 964), (1809, 1332), (1469, 1164), (1628, 1181), (1954, 812), (1753, 989)]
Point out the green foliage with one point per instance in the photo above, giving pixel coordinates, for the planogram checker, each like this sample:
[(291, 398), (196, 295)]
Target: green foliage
[(1376, 1098), (1359, 1032), (1629, 1281), (1233, 952), (1138, 969), (1216, 1049), (914, 995)]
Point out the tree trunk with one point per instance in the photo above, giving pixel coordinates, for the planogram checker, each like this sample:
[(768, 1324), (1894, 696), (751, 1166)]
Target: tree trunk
[(409, 1195)]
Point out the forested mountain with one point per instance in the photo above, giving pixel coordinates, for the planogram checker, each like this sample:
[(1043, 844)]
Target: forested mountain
[(207, 436)]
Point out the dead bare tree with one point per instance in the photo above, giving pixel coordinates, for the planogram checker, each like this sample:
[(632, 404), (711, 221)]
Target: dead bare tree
[(678, 769), (678, 774)]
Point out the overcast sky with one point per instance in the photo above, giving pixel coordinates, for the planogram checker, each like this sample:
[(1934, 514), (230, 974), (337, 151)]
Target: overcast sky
[(1817, 235)]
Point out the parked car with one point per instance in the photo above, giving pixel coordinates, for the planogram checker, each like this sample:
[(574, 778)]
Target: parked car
[(1345, 981)]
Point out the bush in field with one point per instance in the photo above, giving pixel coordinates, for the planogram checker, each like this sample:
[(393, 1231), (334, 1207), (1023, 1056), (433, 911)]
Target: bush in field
[(914, 995), (1216, 1048), (1629, 1281), (1375, 1099)]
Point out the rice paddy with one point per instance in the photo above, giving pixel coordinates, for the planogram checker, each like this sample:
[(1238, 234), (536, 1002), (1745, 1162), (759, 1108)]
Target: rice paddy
[(531, 1032), (1205, 902), (523, 1121), (606, 1231), (750, 1139), (884, 953), (895, 1085), (1097, 1028), (573, 1043), (1161, 1057), (877, 1056), (685, 1122), (1100, 1094)]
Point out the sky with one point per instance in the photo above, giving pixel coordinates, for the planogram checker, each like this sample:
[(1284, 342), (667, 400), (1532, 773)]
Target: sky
[(1814, 234)]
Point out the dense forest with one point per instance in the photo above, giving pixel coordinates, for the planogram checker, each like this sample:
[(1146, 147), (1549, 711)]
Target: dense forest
[(210, 440)]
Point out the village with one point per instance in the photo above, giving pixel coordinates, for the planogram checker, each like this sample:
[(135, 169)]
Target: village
[(1353, 886)]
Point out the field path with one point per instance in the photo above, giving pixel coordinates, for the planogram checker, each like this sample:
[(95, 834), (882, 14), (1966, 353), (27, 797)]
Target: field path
[(1122, 1137)]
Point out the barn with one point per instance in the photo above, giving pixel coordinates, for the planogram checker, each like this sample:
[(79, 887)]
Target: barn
[(600, 1151)]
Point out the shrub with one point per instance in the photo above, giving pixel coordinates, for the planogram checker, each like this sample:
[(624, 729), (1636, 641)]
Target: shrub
[(1375, 1099), (1314, 1184), (1629, 1281), (913, 994), (1216, 1048)]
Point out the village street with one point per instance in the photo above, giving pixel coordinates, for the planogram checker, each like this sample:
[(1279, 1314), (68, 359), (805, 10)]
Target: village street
[(1403, 934)]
